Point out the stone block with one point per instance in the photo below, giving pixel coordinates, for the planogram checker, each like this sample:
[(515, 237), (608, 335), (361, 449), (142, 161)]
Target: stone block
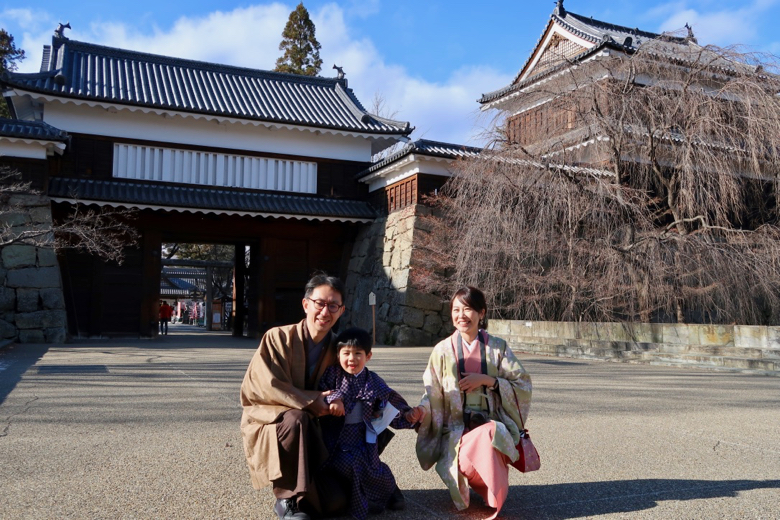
[(721, 335), (401, 279), (432, 323), (422, 300), (362, 248), (395, 260), (14, 219), (411, 337), (7, 299), (586, 330), (47, 257), (677, 333), (750, 336), (34, 277), (26, 200), (414, 317), (41, 320), (396, 314), (27, 300), (773, 337), (387, 258), (16, 256), (40, 215), (381, 312), (522, 327), (7, 330), (31, 336), (640, 332), (55, 335), (500, 327)]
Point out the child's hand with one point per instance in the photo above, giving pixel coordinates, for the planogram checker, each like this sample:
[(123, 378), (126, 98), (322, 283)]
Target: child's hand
[(415, 415), (337, 408)]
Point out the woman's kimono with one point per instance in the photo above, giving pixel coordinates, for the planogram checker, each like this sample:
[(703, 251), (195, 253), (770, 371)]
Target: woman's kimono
[(439, 435)]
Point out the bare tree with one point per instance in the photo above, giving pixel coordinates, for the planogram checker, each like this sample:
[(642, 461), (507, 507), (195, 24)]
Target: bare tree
[(634, 186), (102, 232), (380, 108)]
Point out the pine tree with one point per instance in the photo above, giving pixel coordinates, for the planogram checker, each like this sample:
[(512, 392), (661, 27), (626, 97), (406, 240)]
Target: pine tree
[(300, 46), (9, 55)]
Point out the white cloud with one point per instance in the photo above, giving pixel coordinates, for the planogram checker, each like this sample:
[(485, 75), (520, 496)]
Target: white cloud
[(445, 110), (724, 27)]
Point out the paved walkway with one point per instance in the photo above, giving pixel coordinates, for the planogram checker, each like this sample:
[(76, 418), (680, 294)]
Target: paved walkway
[(149, 429)]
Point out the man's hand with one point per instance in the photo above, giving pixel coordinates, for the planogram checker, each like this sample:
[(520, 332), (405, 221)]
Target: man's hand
[(415, 415), (319, 407), (470, 380), (337, 408)]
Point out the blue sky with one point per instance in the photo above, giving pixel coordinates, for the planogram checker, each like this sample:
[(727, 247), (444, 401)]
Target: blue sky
[(430, 60)]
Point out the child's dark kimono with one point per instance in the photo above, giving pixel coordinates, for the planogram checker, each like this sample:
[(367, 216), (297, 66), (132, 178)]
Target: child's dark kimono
[(345, 437)]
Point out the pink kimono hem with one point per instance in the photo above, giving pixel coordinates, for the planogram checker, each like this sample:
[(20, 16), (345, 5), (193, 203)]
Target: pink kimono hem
[(485, 468)]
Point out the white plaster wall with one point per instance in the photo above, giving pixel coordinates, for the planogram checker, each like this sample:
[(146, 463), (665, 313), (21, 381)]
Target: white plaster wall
[(20, 149), (191, 131), (415, 164)]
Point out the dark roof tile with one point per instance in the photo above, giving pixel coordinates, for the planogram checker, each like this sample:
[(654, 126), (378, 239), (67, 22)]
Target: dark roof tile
[(93, 72), (128, 194), (424, 147), (31, 130)]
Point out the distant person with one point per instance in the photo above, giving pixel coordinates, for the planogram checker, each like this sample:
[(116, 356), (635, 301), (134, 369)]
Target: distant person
[(281, 435), (166, 311), (357, 396), (477, 396)]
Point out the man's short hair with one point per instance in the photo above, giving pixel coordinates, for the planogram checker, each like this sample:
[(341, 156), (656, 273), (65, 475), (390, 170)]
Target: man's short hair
[(354, 337), (321, 278)]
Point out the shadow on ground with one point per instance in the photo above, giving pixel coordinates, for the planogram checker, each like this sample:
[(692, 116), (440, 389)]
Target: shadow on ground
[(15, 360), (584, 499)]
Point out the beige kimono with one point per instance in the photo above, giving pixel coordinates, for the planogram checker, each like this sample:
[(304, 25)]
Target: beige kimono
[(274, 383)]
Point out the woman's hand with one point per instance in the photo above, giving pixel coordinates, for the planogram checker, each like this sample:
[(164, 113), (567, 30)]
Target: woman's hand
[(415, 415), (469, 381)]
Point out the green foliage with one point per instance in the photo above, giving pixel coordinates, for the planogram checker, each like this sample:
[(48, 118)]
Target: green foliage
[(300, 46), (9, 55)]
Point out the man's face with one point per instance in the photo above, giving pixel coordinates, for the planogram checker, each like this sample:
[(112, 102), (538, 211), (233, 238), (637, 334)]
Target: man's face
[(319, 318)]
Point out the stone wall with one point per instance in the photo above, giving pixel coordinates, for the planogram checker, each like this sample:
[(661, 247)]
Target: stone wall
[(381, 263), (32, 307), (732, 347)]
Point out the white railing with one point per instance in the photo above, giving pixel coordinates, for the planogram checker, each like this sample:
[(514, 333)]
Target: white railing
[(213, 169)]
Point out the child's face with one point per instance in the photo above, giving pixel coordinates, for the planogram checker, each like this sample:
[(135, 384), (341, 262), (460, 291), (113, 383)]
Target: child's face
[(353, 359)]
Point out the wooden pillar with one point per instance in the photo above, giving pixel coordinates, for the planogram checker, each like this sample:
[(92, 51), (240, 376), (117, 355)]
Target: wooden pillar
[(239, 271), (209, 298), (149, 325), (254, 294)]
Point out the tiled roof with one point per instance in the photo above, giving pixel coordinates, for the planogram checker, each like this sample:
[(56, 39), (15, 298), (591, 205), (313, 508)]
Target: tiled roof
[(425, 147), (177, 281), (595, 31), (86, 71), (31, 130), (208, 200)]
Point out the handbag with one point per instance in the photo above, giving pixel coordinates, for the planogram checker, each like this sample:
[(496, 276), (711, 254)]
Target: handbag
[(529, 456)]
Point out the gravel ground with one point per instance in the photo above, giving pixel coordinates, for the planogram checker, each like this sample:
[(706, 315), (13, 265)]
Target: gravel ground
[(149, 429)]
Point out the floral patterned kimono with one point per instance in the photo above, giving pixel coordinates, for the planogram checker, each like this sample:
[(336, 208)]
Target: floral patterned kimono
[(440, 434)]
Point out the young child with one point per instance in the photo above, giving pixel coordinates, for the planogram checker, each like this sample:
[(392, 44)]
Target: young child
[(357, 397)]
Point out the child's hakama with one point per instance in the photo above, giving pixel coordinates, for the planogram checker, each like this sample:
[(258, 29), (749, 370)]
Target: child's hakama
[(351, 456)]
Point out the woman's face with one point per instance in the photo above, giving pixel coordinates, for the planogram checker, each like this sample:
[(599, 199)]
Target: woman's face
[(466, 319)]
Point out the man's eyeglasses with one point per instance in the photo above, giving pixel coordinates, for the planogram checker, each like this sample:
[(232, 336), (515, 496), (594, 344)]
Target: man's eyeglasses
[(321, 304)]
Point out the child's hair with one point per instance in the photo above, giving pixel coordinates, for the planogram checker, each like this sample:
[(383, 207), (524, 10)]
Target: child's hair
[(354, 337)]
